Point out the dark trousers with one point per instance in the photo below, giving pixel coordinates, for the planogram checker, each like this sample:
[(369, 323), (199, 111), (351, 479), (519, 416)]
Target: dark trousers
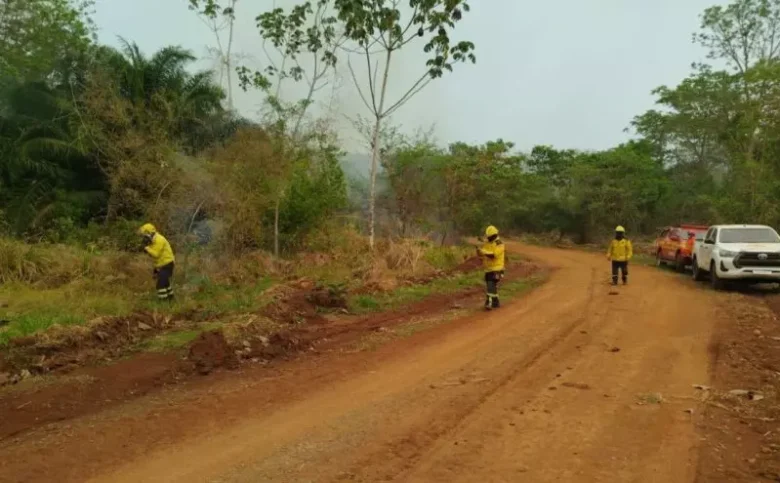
[(492, 279), (622, 267), (164, 276)]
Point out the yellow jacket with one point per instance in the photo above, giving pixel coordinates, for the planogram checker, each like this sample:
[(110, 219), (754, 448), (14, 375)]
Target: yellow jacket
[(620, 250), (492, 254), (160, 250)]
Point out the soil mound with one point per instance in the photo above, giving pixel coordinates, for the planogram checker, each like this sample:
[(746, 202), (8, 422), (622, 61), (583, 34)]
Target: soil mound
[(211, 351)]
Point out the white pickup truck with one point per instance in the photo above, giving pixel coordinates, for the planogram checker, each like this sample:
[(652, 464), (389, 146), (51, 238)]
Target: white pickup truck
[(739, 253)]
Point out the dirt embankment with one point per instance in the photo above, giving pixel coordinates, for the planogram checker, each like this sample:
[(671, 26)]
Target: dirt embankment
[(104, 340), (741, 440), (87, 388)]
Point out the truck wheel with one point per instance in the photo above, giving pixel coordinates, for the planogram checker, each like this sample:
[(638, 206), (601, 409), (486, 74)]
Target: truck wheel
[(698, 275), (679, 262), (716, 282), (659, 261)]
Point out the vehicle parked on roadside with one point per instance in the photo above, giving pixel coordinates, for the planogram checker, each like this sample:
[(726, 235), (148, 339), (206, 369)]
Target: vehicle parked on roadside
[(676, 244), (738, 253)]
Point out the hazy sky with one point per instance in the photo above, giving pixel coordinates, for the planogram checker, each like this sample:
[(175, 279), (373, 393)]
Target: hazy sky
[(571, 73)]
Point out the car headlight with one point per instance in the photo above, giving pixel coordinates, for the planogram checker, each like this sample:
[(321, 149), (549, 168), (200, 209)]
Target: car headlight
[(727, 253)]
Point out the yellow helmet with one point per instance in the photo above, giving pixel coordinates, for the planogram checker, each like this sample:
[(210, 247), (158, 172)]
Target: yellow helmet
[(147, 229), (491, 231), (620, 229)]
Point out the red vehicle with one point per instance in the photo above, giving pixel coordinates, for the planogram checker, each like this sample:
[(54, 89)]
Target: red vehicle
[(675, 244)]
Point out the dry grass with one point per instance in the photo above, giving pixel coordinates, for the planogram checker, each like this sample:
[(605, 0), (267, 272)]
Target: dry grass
[(58, 285), (51, 266)]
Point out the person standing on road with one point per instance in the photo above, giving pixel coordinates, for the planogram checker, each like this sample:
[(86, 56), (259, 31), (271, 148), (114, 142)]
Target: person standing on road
[(492, 254), (161, 252), (620, 252)]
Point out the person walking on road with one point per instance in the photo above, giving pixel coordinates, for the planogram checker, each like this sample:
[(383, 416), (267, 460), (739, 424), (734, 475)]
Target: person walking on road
[(620, 252), (492, 254), (161, 252)]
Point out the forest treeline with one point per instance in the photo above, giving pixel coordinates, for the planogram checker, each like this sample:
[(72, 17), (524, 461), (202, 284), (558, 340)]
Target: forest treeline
[(96, 139)]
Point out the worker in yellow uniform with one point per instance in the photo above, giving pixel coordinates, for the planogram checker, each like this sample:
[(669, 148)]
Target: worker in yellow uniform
[(161, 252), (620, 252), (492, 254)]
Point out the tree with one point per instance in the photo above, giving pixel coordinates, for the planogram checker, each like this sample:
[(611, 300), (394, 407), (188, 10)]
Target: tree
[(743, 33), (306, 30), (379, 27), (219, 18), (623, 186), (36, 35), (552, 164), (412, 170), (45, 175), (162, 84)]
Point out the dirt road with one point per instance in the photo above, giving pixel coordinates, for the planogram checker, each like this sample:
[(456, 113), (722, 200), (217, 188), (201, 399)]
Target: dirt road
[(561, 385)]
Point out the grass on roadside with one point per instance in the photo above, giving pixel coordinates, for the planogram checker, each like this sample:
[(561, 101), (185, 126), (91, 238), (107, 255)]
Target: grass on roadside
[(33, 310), (47, 285), (509, 291), (176, 340), (361, 304)]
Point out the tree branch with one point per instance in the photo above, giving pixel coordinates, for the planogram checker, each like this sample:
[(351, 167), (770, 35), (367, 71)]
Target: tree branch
[(423, 81), (371, 80), (357, 86)]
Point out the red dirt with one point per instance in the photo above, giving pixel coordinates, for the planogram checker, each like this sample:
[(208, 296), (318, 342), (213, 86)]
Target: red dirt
[(464, 401), (63, 349), (325, 337), (473, 263), (126, 380), (300, 301), (211, 351), (742, 443), (86, 391)]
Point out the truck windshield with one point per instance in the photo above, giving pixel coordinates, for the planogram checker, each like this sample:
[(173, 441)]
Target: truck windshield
[(748, 235)]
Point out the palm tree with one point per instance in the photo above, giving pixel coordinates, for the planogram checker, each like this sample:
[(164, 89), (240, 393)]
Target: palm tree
[(39, 157), (163, 84), (51, 149)]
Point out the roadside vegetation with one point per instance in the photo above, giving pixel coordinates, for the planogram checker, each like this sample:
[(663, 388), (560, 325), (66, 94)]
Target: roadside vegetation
[(95, 140)]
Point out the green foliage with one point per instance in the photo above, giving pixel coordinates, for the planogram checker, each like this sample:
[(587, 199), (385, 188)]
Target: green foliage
[(171, 341), (95, 140), (469, 187), (316, 192), (90, 140), (37, 35), (742, 33), (409, 294), (708, 153)]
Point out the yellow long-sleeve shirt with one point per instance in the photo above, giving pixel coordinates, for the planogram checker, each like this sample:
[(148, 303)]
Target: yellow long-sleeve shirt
[(160, 250), (493, 255), (620, 250)]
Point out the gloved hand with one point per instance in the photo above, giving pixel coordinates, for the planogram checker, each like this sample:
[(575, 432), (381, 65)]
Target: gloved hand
[(155, 272)]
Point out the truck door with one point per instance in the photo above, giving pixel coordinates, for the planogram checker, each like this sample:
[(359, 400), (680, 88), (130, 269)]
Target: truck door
[(663, 241), (675, 237), (705, 251)]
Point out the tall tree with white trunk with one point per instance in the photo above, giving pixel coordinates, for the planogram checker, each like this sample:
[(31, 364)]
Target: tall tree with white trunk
[(381, 29)]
